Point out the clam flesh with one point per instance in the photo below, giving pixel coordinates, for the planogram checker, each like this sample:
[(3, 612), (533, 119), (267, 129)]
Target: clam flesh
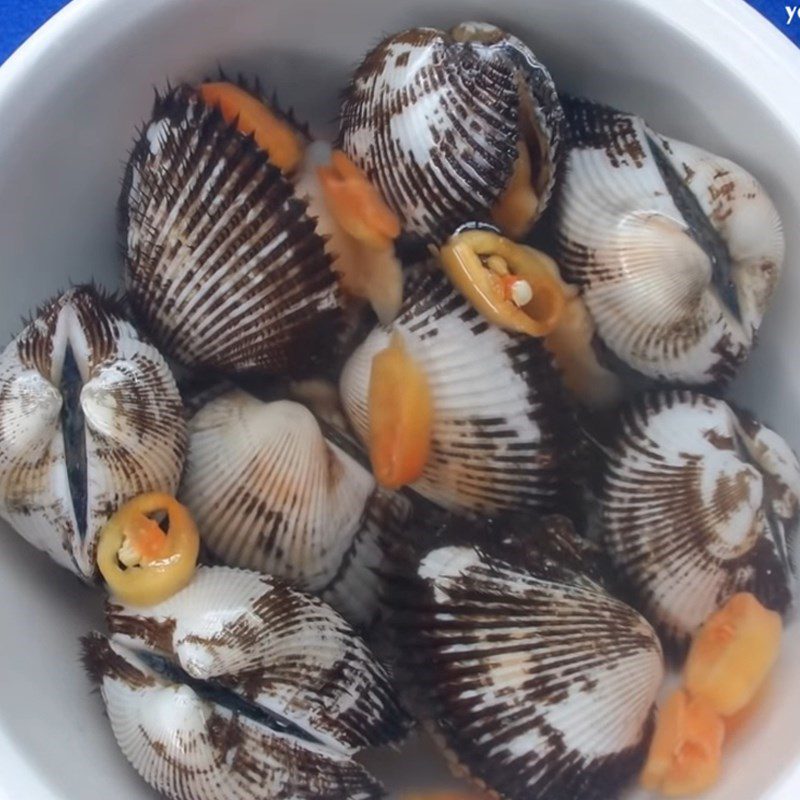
[(90, 416), (500, 428), (276, 495), (454, 127), (677, 251), (532, 678), (358, 228), (700, 502), (241, 687)]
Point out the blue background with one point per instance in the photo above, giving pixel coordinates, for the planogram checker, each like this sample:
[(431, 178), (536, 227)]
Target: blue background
[(775, 10), (20, 18)]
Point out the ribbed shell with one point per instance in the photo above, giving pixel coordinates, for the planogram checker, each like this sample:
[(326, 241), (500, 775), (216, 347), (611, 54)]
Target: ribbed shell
[(500, 430), (434, 122), (537, 683), (274, 495), (242, 687), (90, 416), (222, 263), (540, 543), (278, 647), (699, 503), (188, 748), (677, 250)]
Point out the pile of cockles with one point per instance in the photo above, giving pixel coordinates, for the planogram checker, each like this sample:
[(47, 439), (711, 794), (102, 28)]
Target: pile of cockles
[(351, 453)]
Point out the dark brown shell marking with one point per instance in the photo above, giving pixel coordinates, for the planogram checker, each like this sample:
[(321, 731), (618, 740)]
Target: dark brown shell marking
[(222, 263)]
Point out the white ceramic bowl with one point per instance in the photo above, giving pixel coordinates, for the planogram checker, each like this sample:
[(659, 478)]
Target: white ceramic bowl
[(710, 71)]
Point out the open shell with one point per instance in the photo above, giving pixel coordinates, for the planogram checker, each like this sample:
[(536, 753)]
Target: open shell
[(699, 502), (677, 250), (240, 687), (222, 262), (534, 680), (90, 416), (435, 119), (500, 426), (274, 495)]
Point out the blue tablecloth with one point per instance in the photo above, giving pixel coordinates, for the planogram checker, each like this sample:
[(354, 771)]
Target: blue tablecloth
[(20, 18)]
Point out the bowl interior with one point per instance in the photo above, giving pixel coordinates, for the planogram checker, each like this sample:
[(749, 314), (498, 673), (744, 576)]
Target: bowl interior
[(68, 122)]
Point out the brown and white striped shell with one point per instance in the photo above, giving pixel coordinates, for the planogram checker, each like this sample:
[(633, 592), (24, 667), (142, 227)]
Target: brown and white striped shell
[(699, 502), (90, 416), (437, 119), (222, 262), (500, 438), (532, 678), (274, 495), (239, 687), (677, 251)]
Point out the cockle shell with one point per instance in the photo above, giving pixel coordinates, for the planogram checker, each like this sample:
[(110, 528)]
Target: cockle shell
[(241, 687), (275, 495), (222, 262), (537, 542), (434, 119), (533, 679), (677, 250), (500, 426), (90, 416), (699, 502)]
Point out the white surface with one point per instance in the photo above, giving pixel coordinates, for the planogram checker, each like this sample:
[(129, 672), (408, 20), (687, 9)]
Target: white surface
[(709, 71)]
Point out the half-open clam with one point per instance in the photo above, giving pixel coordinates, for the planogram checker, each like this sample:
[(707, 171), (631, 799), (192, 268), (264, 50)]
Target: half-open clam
[(475, 413), (242, 239)]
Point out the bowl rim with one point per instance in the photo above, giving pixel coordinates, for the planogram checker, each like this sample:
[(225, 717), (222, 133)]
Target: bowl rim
[(738, 37)]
